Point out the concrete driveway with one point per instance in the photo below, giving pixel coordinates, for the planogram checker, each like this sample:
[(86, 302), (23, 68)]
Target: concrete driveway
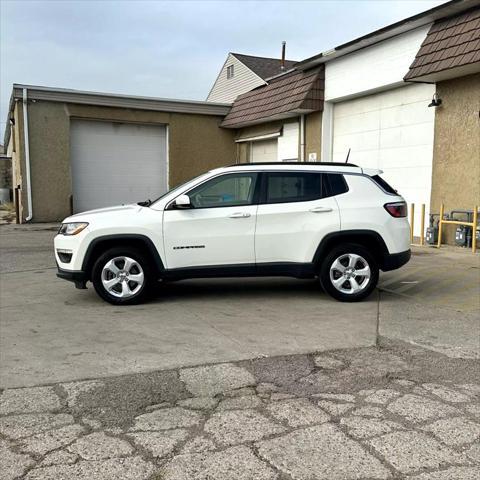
[(52, 332)]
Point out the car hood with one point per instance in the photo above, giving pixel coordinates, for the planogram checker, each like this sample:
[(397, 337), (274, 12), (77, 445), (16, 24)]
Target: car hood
[(93, 214)]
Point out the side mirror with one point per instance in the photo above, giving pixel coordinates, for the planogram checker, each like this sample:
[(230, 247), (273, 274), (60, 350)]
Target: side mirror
[(183, 201)]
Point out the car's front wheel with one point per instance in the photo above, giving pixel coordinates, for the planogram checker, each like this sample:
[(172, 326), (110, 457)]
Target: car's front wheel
[(123, 276), (349, 273)]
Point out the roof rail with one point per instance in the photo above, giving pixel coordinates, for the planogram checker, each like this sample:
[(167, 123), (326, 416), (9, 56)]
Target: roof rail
[(333, 164)]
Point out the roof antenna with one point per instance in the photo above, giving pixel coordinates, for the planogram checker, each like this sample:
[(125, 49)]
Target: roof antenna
[(348, 155), (282, 61)]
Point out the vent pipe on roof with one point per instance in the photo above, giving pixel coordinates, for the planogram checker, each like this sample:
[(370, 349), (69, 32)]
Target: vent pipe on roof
[(282, 61)]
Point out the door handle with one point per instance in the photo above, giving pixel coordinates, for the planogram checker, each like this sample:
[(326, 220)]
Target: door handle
[(320, 209), (239, 215)]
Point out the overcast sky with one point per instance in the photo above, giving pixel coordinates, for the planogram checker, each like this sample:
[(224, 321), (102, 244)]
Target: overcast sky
[(169, 49)]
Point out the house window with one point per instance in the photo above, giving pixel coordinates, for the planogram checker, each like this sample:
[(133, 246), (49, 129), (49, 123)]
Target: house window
[(230, 71)]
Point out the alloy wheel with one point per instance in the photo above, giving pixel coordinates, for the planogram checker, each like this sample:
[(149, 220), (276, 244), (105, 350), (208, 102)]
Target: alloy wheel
[(350, 273), (122, 277)]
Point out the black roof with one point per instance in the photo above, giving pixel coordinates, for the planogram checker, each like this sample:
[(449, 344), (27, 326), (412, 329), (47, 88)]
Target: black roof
[(264, 67), (332, 164)]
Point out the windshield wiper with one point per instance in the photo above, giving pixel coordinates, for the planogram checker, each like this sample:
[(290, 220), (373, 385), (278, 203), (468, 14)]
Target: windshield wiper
[(146, 203)]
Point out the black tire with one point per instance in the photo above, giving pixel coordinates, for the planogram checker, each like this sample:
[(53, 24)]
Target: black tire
[(341, 253), (149, 277)]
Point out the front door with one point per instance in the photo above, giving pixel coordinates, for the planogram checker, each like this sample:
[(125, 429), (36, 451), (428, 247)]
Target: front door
[(219, 229), (293, 217)]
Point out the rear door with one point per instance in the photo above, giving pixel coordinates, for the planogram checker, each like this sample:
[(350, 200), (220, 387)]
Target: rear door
[(296, 212), (219, 228)]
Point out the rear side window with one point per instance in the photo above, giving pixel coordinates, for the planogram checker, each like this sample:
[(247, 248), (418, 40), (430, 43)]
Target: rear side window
[(383, 184), (337, 184), (286, 187)]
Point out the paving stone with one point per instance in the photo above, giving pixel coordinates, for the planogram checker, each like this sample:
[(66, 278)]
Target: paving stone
[(29, 400), (470, 387), (198, 445), (420, 409), (45, 442), (167, 418), (454, 431), (131, 468), (473, 409), (239, 403), (297, 412), (75, 389), (98, 446), (159, 444), (411, 451), (445, 393), (321, 452), (214, 379), (341, 397), (274, 397), (236, 463), (199, 403), (18, 426), (12, 465), (368, 411), (238, 426), (240, 392), (360, 427), (334, 408), (381, 396), (92, 423), (59, 457), (404, 382), (329, 363), (266, 388), (452, 473), (157, 406), (474, 452)]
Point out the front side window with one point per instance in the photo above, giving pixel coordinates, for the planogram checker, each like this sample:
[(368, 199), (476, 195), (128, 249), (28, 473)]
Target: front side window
[(288, 187), (230, 71), (225, 191)]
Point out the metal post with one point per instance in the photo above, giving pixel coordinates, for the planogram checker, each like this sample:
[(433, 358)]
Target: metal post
[(474, 228), (422, 226), (440, 225), (412, 221)]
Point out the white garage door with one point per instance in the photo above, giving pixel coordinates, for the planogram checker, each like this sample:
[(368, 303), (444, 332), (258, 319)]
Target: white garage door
[(116, 163), (264, 151), (392, 131)]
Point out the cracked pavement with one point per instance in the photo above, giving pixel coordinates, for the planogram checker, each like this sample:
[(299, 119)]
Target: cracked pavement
[(389, 412)]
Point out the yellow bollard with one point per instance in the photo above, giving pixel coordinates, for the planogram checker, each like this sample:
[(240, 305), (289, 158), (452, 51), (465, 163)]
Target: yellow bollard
[(440, 225), (412, 221), (422, 226), (474, 228)]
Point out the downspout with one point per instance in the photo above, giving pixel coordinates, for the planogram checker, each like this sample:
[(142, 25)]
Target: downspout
[(27, 157), (302, 138)]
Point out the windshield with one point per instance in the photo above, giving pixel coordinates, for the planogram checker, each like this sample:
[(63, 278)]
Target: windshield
[(178, 187)]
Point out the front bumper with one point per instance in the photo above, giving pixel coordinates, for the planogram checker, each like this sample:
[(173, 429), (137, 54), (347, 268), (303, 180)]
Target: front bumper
[(78, 277), (393, 261)]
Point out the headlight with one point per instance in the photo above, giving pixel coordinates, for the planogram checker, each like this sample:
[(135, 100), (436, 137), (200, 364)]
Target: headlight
[(72, 228)]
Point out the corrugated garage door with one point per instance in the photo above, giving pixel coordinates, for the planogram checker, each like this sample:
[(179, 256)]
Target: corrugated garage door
[(116, 163), (392, 131)]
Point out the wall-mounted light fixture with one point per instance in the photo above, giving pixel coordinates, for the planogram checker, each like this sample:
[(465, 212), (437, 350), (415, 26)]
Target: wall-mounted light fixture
[(436, 101)]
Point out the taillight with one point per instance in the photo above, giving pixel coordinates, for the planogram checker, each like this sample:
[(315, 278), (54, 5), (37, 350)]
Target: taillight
[(397, 209)]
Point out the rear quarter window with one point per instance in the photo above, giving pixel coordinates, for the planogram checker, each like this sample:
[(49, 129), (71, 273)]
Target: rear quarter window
[(336, 184), (384, 185)]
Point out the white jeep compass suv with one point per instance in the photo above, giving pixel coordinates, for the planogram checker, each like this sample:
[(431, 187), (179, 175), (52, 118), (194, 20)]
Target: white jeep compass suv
[(337, 222)]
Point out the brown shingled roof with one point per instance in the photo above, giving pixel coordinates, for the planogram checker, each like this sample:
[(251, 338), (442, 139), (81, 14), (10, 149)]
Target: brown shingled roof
[(293, 93), (450, 43), (262, 66)]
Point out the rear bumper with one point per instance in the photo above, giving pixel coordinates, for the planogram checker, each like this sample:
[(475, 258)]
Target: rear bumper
[(78, 277), (393, 261)]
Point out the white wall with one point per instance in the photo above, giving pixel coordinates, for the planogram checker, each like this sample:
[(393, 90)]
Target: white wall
[(226, 90), (376, 67)]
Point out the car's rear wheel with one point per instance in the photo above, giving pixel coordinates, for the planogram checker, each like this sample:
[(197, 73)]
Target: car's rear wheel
[(349, 273), (123, 276)]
